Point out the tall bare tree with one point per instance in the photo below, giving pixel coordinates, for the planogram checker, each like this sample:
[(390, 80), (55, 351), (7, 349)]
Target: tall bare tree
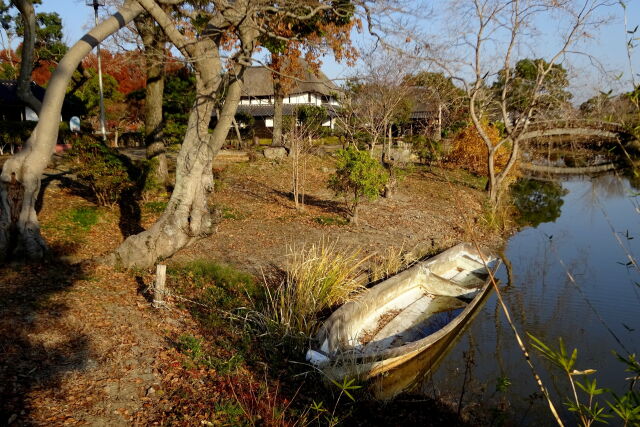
[(490, 32), (376, 100)]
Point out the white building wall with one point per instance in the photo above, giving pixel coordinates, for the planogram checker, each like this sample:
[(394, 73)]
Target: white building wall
[(299, 98)]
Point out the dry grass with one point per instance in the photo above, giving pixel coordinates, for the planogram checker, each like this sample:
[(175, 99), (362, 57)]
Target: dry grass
[(387, 263), (318, 278)]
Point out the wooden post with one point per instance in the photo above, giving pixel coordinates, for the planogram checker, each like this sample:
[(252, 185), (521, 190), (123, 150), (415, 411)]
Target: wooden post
[(158, 290)]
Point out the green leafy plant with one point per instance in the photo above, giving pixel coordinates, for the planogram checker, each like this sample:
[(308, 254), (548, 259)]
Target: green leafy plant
[(358, 177), (330, 220), (428, 150), (589, 410), (101, 169)]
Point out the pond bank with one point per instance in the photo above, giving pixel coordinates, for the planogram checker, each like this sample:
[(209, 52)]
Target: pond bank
[(82, 344)]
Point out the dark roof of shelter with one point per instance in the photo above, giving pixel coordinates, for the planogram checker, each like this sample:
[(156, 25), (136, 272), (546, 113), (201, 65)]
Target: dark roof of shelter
[(258, 81), (9, 96), (424, 105), (267, 110)]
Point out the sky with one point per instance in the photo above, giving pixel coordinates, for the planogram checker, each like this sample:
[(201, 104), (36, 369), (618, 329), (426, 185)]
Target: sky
[(608, 45)]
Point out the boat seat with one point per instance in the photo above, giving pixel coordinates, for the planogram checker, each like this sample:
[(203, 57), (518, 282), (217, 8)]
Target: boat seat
[(439, 285), (415, 322)]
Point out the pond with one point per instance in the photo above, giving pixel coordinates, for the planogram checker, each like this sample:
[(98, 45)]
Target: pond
[(572, 278)]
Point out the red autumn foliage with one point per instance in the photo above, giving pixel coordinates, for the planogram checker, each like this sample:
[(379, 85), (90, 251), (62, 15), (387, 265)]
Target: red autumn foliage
[(127, 68)]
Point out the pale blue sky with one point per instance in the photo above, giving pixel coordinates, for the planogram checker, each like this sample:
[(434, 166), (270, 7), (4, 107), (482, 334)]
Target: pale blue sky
[(608, 45)]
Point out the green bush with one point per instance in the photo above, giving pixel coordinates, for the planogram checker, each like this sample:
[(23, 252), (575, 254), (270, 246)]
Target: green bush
[(101, 169), (358, 176), (428, 150)]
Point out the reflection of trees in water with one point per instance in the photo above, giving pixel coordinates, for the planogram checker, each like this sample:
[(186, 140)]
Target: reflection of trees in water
[(633, 176), (609, 185), (537, 201)]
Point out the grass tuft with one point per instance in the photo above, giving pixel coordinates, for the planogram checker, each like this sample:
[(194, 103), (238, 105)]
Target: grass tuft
[(83, 217), (155, 206), (318, 278), (387, 263)]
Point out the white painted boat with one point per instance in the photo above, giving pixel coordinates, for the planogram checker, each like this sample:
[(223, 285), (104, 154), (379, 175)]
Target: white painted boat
[(403, 316)]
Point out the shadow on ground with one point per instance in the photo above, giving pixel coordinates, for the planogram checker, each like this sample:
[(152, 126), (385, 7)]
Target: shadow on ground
[(329, 206), (36, 349)]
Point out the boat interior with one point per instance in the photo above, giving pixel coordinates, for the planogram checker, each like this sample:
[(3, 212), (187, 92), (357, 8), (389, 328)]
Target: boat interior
[(422, 303)]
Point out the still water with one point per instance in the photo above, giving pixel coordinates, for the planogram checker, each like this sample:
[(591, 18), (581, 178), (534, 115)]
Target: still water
[(585, 229)]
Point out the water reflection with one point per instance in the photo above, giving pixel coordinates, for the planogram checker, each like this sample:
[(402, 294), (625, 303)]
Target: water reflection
[(571, 279), (537, 201)]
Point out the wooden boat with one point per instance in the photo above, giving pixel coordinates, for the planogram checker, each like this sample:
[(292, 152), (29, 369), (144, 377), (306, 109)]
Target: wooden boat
[(403, 316)]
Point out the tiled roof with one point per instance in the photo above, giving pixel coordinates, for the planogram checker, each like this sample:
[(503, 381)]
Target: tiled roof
[(258, 81)]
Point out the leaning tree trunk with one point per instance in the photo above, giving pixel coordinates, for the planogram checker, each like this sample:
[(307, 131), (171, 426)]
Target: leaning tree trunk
[(28, 45), (153, 40), (187, 216), (20, 178)]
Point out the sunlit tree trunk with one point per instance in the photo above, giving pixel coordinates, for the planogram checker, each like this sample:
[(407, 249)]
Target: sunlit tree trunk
[(187, 216), (21, 174)]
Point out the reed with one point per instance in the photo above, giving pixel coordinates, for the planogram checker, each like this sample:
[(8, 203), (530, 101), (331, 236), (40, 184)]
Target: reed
[(318, 278), (387, 263)]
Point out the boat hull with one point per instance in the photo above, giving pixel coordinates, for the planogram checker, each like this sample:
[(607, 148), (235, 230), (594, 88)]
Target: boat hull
[(343, 352)]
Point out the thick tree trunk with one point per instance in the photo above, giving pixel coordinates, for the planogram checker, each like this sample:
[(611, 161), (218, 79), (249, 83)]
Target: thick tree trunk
[(28, 44), (278, 107), (20, 178), (187, 216), (153, 40)]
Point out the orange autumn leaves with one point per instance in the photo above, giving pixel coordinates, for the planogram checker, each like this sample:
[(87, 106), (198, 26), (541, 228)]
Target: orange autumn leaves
[(469, 151)]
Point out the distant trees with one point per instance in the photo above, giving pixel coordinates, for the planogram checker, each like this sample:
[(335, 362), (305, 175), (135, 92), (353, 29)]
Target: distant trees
[(489, 32), (611, 108), (41, 45), (375, 100), (329, 32), (551, 94)]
